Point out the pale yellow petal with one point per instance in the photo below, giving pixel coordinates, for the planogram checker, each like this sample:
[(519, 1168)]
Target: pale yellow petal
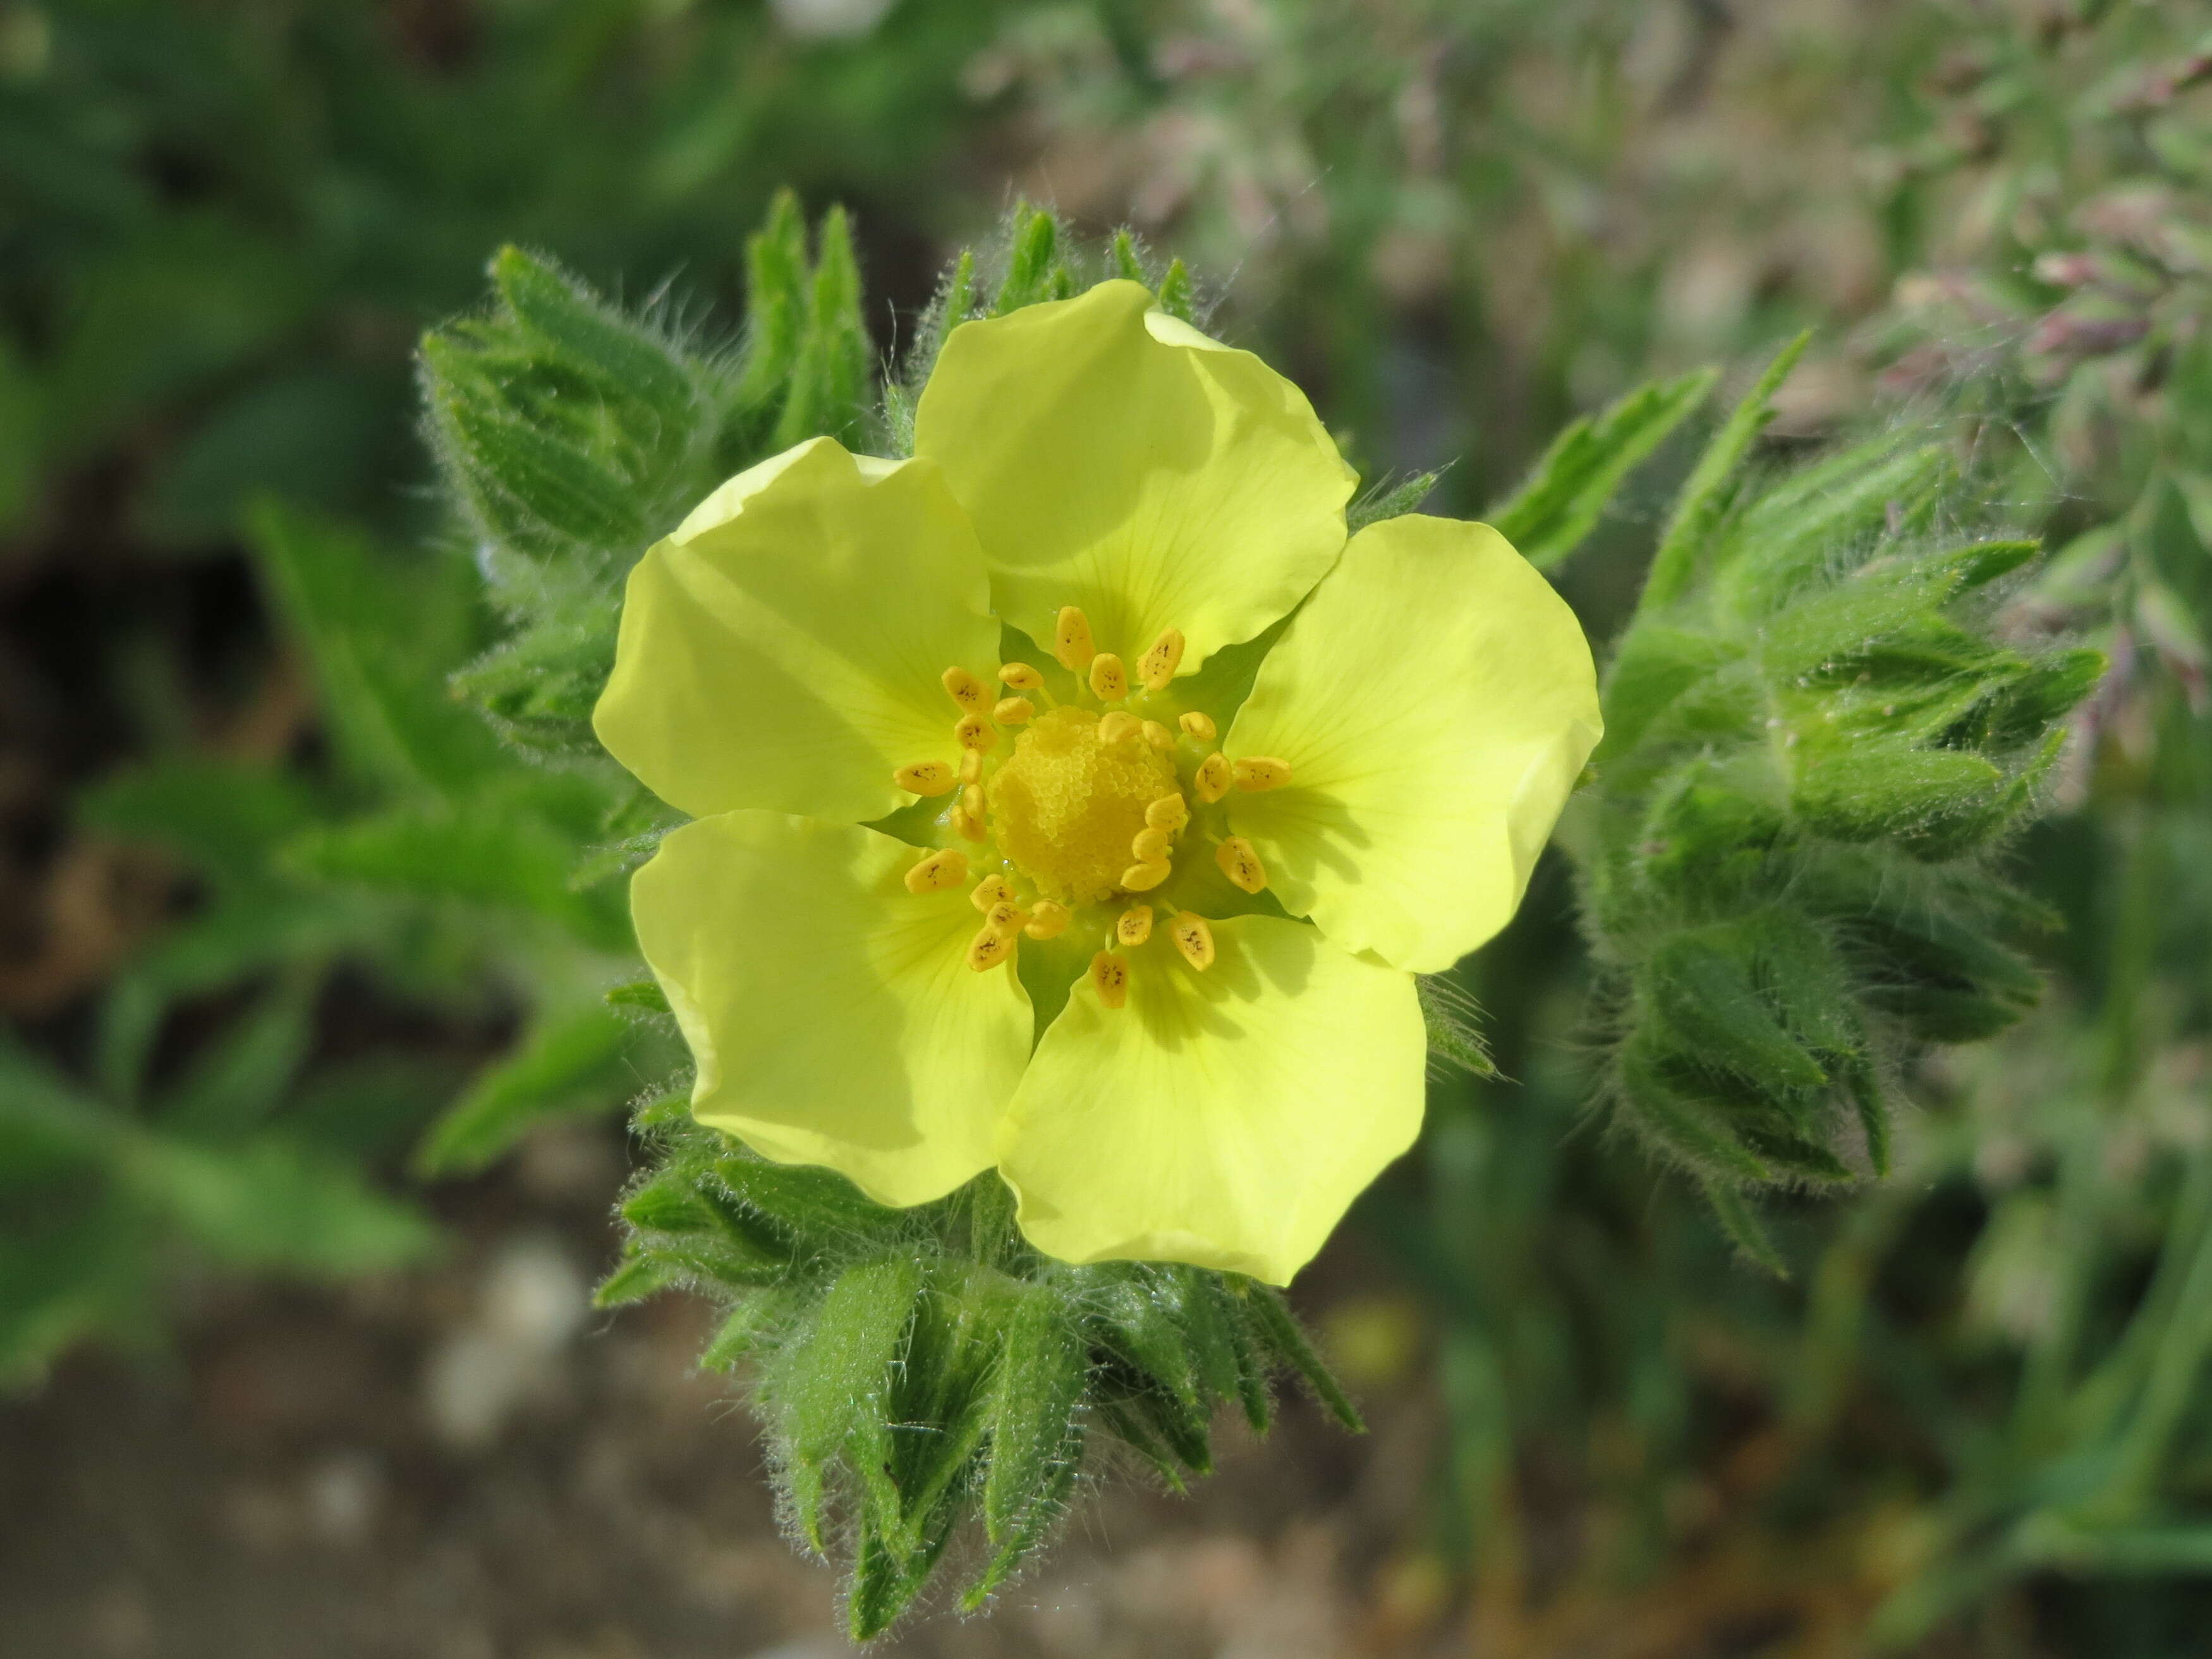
[(1435, 700), (1117, 460), (830, 1010), (785, 648), (1225, 1118)]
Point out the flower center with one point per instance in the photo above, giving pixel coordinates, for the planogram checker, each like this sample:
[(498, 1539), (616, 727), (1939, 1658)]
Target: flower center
[(1066, 808), (1090, 806)]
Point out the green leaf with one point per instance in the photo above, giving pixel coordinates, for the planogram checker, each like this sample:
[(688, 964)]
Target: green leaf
[(1704, 497), (830, 1387), (1568, 490), (569, 1061), (1741, 1225), (1035, 1425), (1278, 1330), (267, 1203), (377, 633)]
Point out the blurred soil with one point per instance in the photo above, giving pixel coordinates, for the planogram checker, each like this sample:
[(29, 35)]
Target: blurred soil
[(469, 1463)]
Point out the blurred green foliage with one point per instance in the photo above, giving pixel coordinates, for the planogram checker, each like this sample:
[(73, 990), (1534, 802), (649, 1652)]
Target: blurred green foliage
[(1972, 1419)]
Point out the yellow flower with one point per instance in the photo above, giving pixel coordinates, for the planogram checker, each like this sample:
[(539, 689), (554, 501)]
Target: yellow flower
[(1026, 839)]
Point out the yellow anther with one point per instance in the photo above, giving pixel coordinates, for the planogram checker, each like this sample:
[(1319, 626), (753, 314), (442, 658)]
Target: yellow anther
[(1157, 665), (1109, 977), (1195, 939), (1258, 772), (1071, 640), (976, 732), (1167, 813), (1006, 918), (1013, 711), (973, 803), (1198, 723), (925, 778), (970, 693), (1213, 779), (1241, 864), (1046, 920), (1143, 878), (994, 889), (971, 766), (939, 873), (1133, 926), (1150, 845), (1020, 675), (988, 950), (1118, 727), (1109, 681), (967, 825), (1158, 735)]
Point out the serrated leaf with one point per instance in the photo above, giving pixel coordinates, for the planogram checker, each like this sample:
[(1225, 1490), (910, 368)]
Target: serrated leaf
[(1704, 497), (1567, 491), (570, 1060)]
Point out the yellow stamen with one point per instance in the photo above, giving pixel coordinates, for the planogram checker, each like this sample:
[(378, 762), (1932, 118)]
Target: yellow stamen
[(1241, 864), (1046, 920), (977, 733), (1071, 640), (1116, 728), (1109, 977), (925, 778), (1007, 918), (1013, 711), (1109, 681), (939, 872), (967, 825), (1167, 813), (1143, 878), (1213, 779), (1158, 735), (1157, 665), (1134, 925), (1258, 772), (970, 693), (1150, 846), (1200, 725), (973, 803), (1195, 939), (1020, 675), (994, 889), (988, 950), (971, 766)]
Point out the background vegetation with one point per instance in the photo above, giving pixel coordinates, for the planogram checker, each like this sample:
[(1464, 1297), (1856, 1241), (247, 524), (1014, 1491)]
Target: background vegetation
[(293, 933)]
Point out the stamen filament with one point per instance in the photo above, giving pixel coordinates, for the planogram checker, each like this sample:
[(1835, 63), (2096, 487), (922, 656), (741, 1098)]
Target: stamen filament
[(925, 778), (1109, 681), (970, 693), (1241, 864), (1072, 643), (1158, 664), (939, 873), (1213, 779), (1109, 977), (1195, 939)]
